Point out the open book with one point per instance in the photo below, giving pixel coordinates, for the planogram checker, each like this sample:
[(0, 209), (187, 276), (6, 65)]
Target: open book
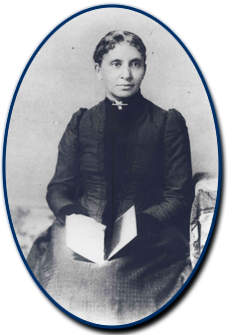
[(85, 236)]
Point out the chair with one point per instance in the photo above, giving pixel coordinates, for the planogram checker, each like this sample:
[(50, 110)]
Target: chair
[(202, 213)]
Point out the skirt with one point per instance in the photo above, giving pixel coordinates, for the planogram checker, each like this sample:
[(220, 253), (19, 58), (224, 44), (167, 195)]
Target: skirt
[(135, 283)]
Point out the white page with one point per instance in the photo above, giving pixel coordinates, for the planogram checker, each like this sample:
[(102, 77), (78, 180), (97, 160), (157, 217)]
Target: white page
[(85, 236), (124, 231)]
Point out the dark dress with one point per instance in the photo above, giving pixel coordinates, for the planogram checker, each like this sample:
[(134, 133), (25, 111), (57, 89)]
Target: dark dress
[(108, 161)]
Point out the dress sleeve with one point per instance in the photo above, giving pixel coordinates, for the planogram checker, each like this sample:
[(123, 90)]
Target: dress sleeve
[(62, 188), (178, 189)]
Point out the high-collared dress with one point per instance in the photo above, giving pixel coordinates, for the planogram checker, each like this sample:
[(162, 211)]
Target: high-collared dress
[(109, 160)]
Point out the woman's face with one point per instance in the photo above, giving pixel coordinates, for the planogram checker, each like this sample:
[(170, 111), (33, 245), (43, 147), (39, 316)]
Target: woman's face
[(122, 70)]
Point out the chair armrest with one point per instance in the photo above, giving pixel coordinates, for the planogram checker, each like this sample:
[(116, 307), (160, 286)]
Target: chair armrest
[(202, 215)]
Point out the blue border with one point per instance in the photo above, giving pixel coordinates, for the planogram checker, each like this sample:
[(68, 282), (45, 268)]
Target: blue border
[(200, 27)]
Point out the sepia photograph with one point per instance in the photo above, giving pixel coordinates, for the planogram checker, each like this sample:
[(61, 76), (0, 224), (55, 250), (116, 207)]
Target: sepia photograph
[(112, 170)]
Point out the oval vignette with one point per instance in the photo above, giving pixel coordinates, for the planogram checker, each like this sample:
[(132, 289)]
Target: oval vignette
[(58, 80)]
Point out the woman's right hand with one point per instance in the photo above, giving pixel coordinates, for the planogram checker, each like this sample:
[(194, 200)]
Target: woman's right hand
[(67, 210)]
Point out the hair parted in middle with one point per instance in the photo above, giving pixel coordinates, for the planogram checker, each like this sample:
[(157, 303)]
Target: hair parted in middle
[(109, 41)]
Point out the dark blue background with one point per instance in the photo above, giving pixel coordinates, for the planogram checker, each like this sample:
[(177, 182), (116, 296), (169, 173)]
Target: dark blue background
[(25, 27)]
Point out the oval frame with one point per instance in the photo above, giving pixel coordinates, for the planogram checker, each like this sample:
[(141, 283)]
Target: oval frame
[(218, 187)]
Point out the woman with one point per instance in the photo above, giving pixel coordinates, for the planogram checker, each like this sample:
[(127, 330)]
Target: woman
[(124, 151)]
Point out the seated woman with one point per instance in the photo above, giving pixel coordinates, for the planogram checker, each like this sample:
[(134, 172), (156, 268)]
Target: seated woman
[(122, 152)]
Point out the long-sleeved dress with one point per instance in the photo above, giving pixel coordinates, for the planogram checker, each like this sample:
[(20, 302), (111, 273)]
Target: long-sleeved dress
[(109, 160)]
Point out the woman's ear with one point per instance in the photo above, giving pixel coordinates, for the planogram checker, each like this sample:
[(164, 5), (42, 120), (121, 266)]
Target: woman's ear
[(98, 71), (145, 70)]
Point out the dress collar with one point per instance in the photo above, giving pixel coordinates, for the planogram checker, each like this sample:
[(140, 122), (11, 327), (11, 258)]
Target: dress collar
[(133, 101)]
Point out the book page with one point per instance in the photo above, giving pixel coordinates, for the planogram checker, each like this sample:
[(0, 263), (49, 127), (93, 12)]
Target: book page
[(85, 236), (124, 231)]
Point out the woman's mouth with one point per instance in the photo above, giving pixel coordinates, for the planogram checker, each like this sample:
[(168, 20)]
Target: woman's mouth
[(126, 86)]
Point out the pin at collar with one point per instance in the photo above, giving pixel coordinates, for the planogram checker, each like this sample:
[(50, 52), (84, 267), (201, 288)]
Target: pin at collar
[(119, 104)]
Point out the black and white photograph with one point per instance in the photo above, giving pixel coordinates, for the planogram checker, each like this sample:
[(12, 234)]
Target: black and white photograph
[(112, 167)]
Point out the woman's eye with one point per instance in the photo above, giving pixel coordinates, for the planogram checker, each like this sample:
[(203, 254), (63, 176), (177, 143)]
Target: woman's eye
[(135, 64), (116, 64)]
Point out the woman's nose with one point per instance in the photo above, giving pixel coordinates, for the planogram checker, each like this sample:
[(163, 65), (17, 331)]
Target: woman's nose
[(126, 73)]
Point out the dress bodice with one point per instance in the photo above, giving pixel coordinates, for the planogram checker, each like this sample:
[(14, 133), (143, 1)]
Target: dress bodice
[(111, 159), (107, 178)]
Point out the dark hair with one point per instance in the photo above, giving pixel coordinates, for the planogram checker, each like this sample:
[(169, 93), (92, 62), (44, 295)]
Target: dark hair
[(116, 36)]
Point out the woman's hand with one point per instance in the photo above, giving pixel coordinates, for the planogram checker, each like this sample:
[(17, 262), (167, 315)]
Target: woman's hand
[(146, 223), (67, 210)]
